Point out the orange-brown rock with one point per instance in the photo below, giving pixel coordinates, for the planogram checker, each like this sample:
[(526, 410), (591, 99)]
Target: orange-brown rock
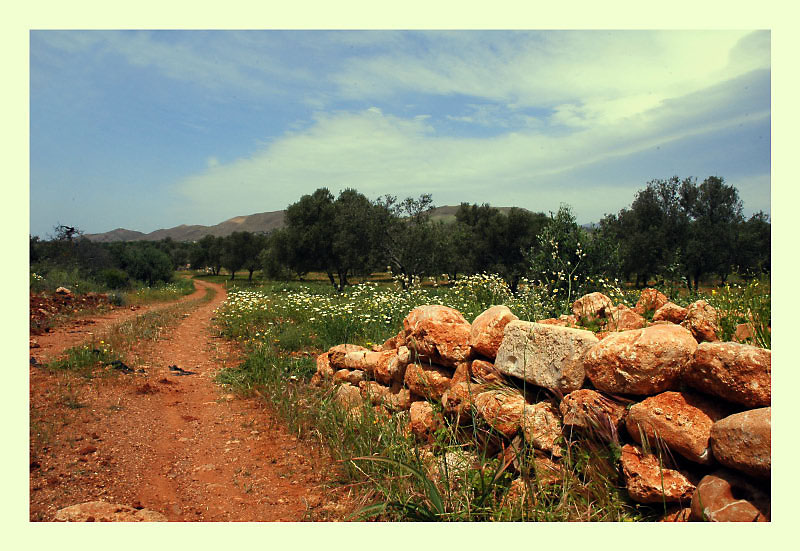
[(374, 392), (324, 368), (589, 409), (677, 514), (484, 372), (486, 332), (670, 312), (650, 300), (702, 320), (743, 441), (387, 367), (437, 334), (640, 361), (744, 333), (463, 373), (336, 354), (430, 381), (502, 409), (681, 420), (348, 376), (424, 421), (592, 306), (541, 426), (622, 318), (398, 400), (348, 396), (740, 373), (459, 399), (648, 481), (100, 511), (725, 496)]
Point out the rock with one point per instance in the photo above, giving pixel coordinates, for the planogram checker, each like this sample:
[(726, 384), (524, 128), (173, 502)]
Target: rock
[(398, 401), (725, 496), (681, 420), (702, 320), (391, 366), (430, 381), (648, 481), (744, 332), (541, 427), (502, 409), (324, 366), (591, 307), (437, 334), (373, 392), (348, 376), (463, 373), (622, 318), (677, 514), (743, 441), (545, 355), (424, 421), (650, 300), (670, 312), (740, 373), (485, 372), (640, 361), (348, 396), (588, 409), (63, 291), (459, 399), (336, 354), (486, 332), (100, 511)]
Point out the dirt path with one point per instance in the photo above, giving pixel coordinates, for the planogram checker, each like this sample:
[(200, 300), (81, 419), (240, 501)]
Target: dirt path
[(174, 444)]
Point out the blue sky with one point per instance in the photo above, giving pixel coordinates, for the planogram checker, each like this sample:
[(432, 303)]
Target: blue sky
[(151, 129)]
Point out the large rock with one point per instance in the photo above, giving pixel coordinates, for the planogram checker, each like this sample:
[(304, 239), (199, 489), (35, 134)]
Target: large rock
[(670, 312), (650, 300), (348, 396), (702, 320), (743, 441), (641, 361), (592, 306), (100, 511), (391, 366), (588, 409), (430, 381), (324, 370), (681, 420), (486, 333), (648, 481), (541, 426), (622, 318), (502, 409), (336, 354), (736, 372), (399, 400), (545, 355), (374, 392), (437, 334), (424, 421), (485, 372), (459, 399), (348, 376), (725, 496)]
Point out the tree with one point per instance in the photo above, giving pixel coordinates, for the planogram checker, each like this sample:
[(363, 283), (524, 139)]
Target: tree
[(147, 263), (241, 251), (752, 255), (208, 253), (308, 239)]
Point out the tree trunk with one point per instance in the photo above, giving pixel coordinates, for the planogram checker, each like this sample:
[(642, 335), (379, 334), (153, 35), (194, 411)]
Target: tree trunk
[(233, 275)]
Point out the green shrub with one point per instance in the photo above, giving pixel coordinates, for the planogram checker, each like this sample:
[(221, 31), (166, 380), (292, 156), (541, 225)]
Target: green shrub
[(114, 278)]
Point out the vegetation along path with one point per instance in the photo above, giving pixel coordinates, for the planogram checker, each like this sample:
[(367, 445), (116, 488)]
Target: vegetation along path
[(166, 437)]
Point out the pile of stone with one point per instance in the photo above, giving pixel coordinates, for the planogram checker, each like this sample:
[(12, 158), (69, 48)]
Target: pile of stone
[(691, 413)]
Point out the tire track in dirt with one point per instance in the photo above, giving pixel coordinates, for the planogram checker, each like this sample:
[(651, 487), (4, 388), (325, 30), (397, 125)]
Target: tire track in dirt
[(177, 444)]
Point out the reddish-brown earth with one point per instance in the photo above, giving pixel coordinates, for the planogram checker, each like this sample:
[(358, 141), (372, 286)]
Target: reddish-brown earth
[(179, 445)]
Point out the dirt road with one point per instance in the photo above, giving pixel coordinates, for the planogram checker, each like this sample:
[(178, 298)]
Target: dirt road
[(175, 444)]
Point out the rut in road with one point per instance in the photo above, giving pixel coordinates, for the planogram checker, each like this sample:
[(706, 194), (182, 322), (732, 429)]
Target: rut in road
[(175, 443)]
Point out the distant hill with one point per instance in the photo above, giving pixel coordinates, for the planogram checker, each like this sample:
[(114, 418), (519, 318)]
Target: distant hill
[(260, 222)]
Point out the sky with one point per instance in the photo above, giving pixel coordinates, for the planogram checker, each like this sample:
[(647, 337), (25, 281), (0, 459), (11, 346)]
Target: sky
[(149, 129)]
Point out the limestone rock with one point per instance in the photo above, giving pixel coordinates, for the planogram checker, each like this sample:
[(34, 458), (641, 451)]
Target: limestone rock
[(486, 332), (437, 334), (398, 401), (348, 396), (725, 496), (336, 354), (648, 481), (702, 320), (622, 318), (541, 426), (743, 441), (740, 373), (650, 300), (430, 381), (100, 511), (670, 312), (373, 391), (640, 361), (681, 420), (424, 421), (348, 376), (592, 306), (589, 409), (459, 399), (502, 409), (324, 366), (485, 372), (545, 355)]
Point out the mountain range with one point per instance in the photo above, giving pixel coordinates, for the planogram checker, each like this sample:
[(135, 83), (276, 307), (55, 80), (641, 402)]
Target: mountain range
[(260, 222)]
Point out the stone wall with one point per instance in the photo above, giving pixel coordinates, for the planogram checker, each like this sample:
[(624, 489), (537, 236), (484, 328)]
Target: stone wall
[(691, 414)]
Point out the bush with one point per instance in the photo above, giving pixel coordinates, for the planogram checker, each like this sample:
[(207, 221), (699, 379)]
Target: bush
[(114, 278)]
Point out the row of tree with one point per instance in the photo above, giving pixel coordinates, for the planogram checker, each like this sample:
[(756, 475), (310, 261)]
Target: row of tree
[(673, 229)]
